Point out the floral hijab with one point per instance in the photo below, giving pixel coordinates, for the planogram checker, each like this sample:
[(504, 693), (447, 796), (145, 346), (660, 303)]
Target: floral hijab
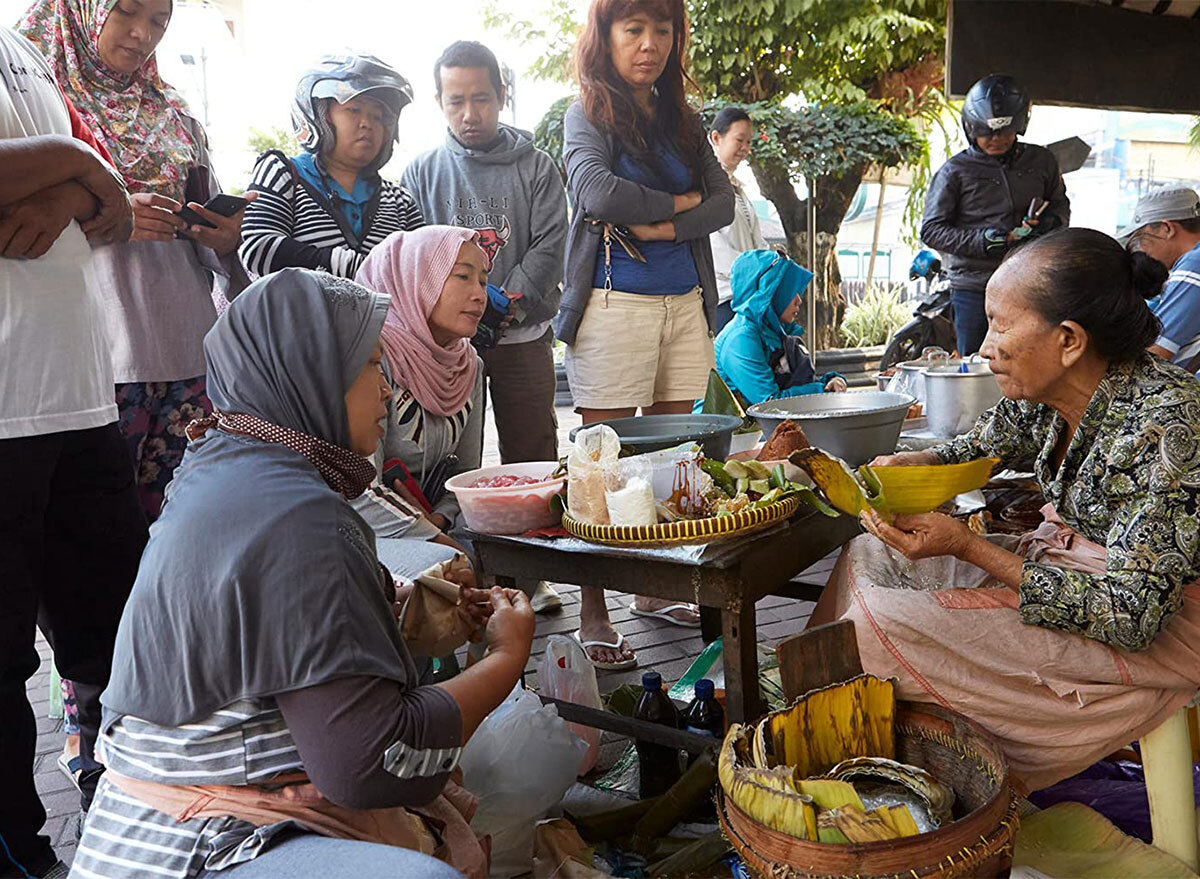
[(140, 119)]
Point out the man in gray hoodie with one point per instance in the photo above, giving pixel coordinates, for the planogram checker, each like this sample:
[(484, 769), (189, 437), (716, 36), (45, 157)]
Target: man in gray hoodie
[(489, 176)]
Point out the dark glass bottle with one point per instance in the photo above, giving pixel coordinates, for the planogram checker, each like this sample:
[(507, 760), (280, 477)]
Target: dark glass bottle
[(705, 715), (658, 765)]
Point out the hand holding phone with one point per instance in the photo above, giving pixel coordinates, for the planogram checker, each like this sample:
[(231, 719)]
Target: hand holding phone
[(218, 222)]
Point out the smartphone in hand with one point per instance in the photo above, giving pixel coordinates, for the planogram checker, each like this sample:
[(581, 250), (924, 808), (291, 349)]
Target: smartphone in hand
[(221, 203)]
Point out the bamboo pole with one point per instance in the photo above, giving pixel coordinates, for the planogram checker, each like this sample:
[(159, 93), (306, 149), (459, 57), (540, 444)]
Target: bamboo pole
[(875, 234), (1167, 761), (812, 267)]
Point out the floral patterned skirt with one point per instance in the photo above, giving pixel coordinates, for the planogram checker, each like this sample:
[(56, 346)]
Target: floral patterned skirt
[(153, 418)]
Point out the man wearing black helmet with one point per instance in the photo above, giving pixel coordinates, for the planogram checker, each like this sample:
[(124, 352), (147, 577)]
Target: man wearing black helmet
[(990, 197)]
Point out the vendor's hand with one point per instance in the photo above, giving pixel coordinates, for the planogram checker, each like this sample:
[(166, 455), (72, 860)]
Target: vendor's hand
[(227, 236), (442, 523), (113, 221), (687, 201), (837, 383), (510, 629), (475, 607), (154, 217), (29, 227), (905, 459), (661, 231), (920, 537)]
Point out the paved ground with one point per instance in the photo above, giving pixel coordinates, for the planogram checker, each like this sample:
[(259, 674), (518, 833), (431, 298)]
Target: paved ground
[(661, 647)]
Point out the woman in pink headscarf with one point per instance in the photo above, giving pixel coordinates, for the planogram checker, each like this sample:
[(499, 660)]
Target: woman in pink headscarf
[(436, 277)]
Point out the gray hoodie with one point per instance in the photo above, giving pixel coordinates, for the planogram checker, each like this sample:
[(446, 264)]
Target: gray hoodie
[(511, 193)]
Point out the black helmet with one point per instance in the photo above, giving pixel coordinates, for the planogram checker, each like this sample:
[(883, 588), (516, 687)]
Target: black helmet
[(995, 103), (342, 78)]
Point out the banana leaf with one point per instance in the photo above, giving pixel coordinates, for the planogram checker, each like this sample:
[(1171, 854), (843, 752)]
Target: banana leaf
[(720, 400), (696, 859)]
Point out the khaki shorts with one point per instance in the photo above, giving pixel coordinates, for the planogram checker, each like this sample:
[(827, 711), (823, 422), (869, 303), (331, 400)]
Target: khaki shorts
[(633, 350)]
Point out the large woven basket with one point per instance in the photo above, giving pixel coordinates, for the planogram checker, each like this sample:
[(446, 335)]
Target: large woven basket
[(978, 843), (685, 531)]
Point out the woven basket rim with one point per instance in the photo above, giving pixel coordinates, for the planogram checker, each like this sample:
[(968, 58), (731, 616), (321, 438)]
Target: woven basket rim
[(705, 530)]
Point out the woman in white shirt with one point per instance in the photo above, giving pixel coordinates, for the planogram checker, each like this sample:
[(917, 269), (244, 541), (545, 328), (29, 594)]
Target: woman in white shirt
[(731, 136)]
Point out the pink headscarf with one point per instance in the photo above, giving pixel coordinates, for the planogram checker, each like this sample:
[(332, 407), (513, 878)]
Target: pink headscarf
[(412, 267)]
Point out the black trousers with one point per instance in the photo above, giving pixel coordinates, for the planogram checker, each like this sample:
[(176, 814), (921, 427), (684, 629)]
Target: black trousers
[(71, 536)]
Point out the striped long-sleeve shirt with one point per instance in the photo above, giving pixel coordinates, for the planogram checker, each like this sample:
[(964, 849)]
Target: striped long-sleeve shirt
[(369, 746), (293, 225)]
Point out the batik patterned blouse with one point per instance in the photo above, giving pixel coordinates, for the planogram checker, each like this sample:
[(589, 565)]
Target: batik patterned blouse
[(1130, 481)]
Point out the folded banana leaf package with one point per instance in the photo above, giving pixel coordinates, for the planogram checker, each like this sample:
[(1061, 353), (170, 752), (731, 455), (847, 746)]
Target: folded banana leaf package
[(890, 490), (823, 769)]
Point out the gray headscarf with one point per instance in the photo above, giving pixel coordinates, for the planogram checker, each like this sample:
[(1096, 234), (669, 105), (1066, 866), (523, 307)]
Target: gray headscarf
[(259, 579)]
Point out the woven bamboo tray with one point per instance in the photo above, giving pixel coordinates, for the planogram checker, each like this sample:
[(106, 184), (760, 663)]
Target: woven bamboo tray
[(685, 531), (978, 843)]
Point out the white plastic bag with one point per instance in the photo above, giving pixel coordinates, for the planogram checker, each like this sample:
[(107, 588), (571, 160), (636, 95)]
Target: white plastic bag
[(628, 492), (566, 674), (520, 762)]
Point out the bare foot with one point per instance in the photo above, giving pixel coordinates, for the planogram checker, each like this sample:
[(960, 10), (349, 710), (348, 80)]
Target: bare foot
[(689, 615), (603, 631)]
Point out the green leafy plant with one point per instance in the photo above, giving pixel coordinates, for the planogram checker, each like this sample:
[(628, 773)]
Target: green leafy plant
[(548, 135), (273, 138), (875, 317)]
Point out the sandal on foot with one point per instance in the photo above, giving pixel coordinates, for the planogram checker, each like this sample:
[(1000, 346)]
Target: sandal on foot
[(664, 613), (620, 665), (72, 768)]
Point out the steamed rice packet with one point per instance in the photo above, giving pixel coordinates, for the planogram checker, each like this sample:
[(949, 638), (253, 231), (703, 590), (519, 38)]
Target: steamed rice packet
[(594, 449)]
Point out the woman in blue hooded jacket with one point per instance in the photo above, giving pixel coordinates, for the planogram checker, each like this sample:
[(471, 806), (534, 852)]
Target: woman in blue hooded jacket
[(759, 354)]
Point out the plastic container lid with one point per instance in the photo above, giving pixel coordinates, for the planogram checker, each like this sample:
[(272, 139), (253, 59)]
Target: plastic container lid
[(651, 680), (704, 689)]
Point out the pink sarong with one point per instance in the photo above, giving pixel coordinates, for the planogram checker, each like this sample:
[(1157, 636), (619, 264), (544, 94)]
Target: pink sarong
[(950, 633)]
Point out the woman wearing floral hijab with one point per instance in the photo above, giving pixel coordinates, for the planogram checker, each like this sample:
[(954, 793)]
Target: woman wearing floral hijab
[(159, 286)]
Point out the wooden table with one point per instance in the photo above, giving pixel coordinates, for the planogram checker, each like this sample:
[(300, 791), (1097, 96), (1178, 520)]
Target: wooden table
[(725, 582)]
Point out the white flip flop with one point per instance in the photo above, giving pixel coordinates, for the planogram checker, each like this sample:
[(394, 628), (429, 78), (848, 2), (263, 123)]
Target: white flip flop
[(664, 613), (606, 666)]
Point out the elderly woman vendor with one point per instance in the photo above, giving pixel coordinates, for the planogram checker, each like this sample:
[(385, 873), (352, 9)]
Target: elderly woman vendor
[(1070, 641)]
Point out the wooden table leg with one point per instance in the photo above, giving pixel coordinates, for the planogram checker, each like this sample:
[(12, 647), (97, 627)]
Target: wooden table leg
[(743, 701), (710, 623)]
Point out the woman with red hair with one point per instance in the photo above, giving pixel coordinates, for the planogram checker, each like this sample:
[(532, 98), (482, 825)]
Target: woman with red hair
[(640, 294)]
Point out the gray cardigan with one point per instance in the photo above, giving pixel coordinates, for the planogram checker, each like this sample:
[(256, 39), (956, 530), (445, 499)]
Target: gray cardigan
[(595, 191)]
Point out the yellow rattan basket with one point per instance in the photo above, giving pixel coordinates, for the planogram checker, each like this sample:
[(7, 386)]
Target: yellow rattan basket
[(686, 531)]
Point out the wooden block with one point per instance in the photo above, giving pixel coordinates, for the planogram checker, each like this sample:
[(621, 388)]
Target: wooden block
[(818, 657)]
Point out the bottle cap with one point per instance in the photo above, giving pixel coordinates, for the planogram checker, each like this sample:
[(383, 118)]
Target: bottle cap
[(652, 680), (704, 689)]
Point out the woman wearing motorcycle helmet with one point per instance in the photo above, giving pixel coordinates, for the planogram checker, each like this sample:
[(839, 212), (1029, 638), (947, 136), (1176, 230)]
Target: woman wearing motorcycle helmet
[(327, 207), (988, 198)]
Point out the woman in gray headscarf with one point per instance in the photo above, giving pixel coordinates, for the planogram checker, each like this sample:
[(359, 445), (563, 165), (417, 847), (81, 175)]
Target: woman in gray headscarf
[(260, 684)]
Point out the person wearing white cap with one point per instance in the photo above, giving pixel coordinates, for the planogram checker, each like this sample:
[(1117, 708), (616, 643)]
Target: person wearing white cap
[(1166, 227)]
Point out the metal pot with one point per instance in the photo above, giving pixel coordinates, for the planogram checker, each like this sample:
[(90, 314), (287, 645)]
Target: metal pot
[(955, 399), (650, 433), (909, 377), (854, 425)]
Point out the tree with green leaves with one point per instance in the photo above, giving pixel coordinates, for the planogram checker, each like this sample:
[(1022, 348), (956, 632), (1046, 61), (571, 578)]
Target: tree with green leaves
[(831, 84)]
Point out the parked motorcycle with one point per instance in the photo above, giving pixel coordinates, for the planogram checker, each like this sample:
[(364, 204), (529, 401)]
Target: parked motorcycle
[(933, 321)]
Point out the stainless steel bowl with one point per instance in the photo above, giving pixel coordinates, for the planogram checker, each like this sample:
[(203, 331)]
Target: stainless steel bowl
[(954, 399), (854, 425), (650, 433)]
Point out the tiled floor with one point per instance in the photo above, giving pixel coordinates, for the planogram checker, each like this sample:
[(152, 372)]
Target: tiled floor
[(661, 647)]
